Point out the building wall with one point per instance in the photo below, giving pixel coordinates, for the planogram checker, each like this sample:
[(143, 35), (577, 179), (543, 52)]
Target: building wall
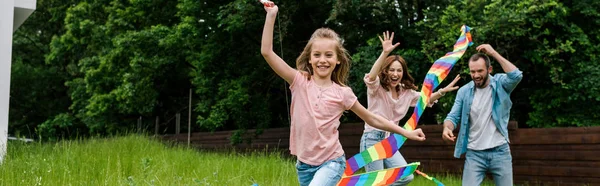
[(6, 30)]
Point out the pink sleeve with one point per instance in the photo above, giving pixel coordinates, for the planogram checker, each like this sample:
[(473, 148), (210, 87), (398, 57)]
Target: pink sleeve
[(414, 97), (299, 80), (372, 86), (349, 98)]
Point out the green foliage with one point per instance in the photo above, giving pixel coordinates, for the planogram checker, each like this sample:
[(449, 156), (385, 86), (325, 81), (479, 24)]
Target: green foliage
[(62, 126), (120, 59), (542, 40), (229, 77), (96, 66)]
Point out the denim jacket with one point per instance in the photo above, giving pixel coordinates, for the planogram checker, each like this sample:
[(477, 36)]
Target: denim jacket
[(502, 85)]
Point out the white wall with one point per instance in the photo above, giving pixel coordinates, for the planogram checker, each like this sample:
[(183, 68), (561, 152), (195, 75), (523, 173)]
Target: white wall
[(12, 14), (6, 30)]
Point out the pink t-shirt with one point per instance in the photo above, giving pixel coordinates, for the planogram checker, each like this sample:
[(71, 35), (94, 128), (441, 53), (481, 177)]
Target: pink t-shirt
[(316, 113), (382, 103)]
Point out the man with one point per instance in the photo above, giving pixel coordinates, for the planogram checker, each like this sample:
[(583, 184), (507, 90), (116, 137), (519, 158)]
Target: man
[(482, 108)]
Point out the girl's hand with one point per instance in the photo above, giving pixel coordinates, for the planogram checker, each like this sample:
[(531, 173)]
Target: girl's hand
[(270, 7), (267, 3), (386, 42), (416, 135)]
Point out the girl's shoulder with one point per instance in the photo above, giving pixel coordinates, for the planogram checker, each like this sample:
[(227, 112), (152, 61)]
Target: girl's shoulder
[(342, 89)]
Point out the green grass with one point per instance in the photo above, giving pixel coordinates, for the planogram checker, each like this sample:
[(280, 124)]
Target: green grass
[(140, 160), (448, 180), (137, 160)]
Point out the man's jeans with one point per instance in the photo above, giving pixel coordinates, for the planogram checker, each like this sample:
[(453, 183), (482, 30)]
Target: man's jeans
[(497, 161), (326, 174)]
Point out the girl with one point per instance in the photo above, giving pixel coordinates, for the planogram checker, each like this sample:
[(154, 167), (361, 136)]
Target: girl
[(390, 91), (318, 100)]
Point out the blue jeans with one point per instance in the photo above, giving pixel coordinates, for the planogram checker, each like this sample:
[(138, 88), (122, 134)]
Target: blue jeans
[(369, 139), (497, 161), (326, 174)]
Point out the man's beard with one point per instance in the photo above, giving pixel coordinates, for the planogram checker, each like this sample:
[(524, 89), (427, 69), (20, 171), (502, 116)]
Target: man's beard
[(483, 82)]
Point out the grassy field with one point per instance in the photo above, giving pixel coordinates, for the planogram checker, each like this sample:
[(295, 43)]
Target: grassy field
[(140, 160)]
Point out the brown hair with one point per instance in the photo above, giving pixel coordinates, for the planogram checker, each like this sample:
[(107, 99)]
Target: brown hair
[(477, 56), (340, 73), (408, 82)]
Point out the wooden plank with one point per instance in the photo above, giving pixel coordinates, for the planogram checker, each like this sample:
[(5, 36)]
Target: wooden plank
[(556, 180), (557, 131), (519, 138), (429, 154), (439, 166), (556, 171), (268, 133), (430, 141), (168, 137), (275, 130), (516, 155), (211, 133), (209, 138), (431, 148), (210, 146), (272, 144), (263, 147), (438, 129), (546, 163), (551, 147), (352, 130), (557, 155), (350, 141), (350, 151), (273, 136), (173, 137), (206, 136), (260, 140)]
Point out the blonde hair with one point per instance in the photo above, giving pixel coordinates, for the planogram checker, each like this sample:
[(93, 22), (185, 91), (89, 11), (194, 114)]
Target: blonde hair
[(408, 82), (340, 73)]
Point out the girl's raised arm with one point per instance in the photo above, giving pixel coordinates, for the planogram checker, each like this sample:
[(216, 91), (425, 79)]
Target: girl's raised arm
[(384, 124), (277, 64)]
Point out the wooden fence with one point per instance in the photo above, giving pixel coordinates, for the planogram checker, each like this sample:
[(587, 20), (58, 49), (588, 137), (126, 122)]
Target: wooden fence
[(550, 156)]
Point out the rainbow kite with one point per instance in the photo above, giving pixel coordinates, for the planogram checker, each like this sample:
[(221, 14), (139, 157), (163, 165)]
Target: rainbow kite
[(430, 178), (380, 177), (387, 147)]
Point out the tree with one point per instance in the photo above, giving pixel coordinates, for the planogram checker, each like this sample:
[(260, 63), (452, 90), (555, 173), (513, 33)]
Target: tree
[(37, 89), (545, 42)]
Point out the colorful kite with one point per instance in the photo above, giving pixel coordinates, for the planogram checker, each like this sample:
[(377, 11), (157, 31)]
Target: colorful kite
[(430, 178), (380, 177)]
